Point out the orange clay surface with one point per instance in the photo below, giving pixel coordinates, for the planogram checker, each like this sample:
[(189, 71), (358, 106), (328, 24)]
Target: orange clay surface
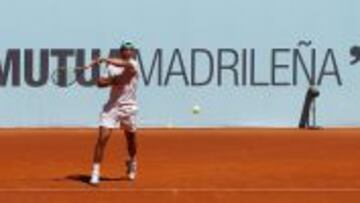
[(178, 165)]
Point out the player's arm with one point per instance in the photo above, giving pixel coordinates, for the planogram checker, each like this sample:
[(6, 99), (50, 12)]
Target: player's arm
[(104, 82), (112, 61), (117, 62)]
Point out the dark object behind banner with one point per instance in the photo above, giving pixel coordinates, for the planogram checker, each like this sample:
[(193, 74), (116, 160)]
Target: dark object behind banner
[(310, 99)]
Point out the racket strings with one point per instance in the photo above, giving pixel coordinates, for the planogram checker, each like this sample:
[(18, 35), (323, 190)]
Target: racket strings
[(63, 76), (66, 76)]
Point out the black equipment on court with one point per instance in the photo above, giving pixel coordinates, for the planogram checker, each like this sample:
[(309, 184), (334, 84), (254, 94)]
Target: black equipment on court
[(309, 108)]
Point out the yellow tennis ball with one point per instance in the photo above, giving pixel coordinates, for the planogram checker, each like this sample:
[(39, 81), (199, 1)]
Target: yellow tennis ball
[(196, 109)]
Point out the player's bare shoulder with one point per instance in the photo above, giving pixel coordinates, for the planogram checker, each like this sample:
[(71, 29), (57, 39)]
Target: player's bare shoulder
[(135, 67)]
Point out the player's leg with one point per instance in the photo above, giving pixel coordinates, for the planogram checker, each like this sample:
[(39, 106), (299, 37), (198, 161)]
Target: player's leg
[(128, 123), (108, 120), (131, 144), (132, 149), (104, 135)]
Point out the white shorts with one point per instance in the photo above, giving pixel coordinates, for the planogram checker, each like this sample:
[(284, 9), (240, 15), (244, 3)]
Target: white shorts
[(123, 116)]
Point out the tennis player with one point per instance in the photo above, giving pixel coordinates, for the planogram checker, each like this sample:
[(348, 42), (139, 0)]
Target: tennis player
[(120, 109)]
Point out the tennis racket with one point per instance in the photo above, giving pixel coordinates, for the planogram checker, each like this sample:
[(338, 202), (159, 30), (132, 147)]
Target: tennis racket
[(66, 76)]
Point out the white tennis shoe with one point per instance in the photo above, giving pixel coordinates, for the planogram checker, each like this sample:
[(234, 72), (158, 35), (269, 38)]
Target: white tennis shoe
[(95, 179), (131, 169)]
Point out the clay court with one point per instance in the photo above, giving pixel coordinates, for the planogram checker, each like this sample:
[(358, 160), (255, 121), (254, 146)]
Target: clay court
[(184, 165)]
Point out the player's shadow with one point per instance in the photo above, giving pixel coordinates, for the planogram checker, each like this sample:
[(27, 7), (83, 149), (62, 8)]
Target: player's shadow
[(86, 178)]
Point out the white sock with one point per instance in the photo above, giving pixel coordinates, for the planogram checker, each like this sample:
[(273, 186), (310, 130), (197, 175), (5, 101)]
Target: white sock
[(96, 169)]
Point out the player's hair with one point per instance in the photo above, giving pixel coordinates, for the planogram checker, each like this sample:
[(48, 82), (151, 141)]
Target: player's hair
[(127, 45)]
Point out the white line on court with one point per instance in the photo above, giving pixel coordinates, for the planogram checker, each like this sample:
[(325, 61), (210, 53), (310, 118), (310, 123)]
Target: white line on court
[(179, 190)]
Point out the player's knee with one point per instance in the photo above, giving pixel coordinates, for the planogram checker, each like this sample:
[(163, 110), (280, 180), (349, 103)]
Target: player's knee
[(104, 135), (131, 134), (129, 129), (105, 130), (131, 137), (105, 138)]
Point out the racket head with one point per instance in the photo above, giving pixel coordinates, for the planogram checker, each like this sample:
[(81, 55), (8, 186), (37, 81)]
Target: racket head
[(65, 76)]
